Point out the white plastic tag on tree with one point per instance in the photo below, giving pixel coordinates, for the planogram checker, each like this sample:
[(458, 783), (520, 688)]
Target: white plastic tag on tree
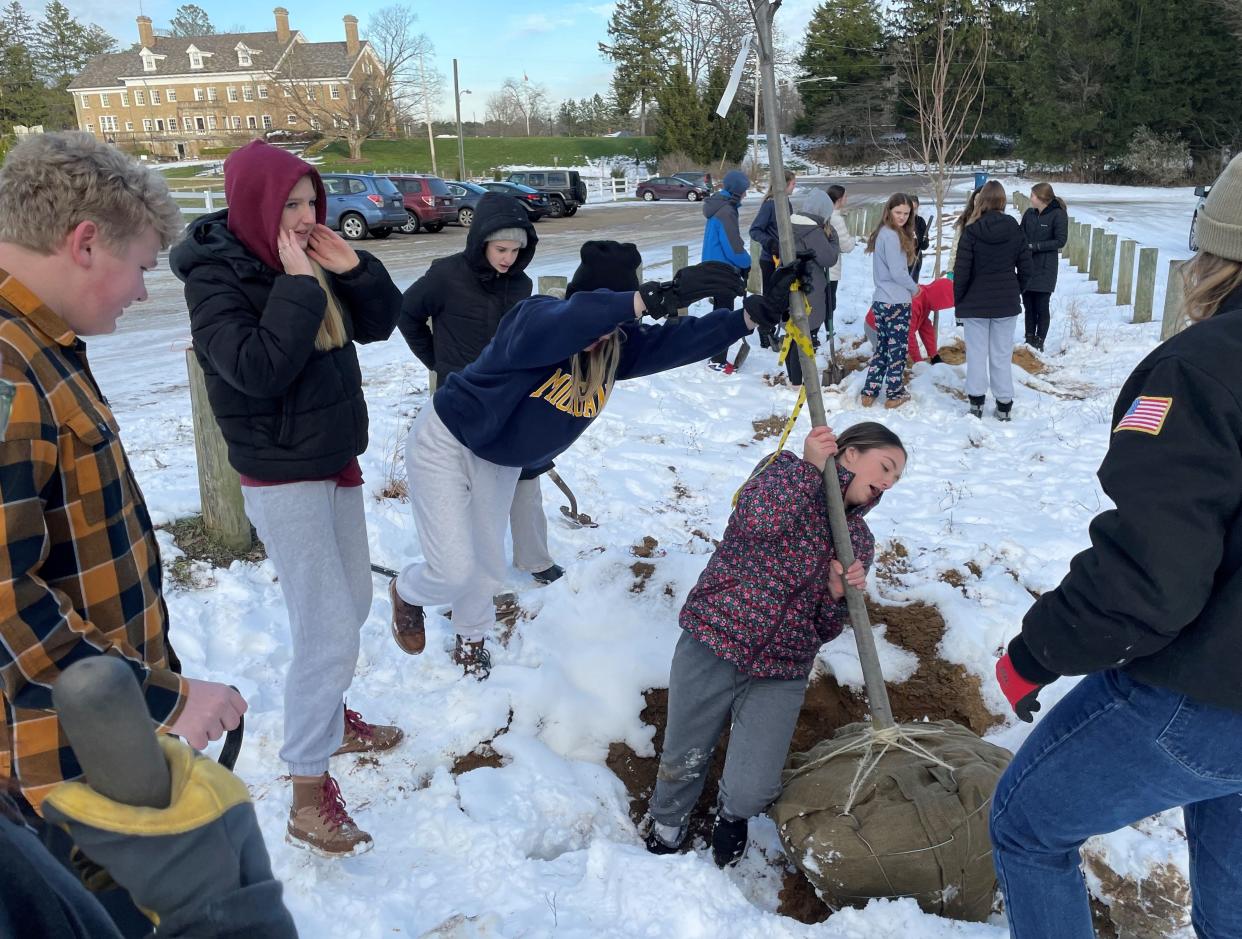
[(735, 77)]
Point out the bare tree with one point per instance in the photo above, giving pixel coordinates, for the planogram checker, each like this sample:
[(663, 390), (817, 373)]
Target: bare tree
[(524, 98), (361, 108), (942, 68)]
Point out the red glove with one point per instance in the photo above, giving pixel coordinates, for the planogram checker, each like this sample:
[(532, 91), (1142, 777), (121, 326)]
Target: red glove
[(1022, 694)]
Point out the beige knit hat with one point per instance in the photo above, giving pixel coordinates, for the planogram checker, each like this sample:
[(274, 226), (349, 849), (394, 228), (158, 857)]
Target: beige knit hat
[(1219, 226)]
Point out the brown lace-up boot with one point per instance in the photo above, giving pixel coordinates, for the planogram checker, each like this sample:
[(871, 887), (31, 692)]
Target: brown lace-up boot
[(319, 823), (473, 658), (361, 737), (408, 627)]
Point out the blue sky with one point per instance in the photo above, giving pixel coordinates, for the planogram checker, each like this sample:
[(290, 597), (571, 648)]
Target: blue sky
[(554, 43)]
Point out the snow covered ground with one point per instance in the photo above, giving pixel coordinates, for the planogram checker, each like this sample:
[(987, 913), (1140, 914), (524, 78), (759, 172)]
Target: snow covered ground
[(543, 845)]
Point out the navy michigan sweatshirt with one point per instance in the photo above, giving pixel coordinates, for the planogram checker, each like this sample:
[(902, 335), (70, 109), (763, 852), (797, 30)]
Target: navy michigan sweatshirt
[(509, 406)]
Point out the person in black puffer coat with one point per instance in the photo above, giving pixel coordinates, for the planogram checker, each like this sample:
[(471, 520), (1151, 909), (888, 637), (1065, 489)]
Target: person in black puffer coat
[(277, 301), (992, 268), (1045, 225), (466, 295)]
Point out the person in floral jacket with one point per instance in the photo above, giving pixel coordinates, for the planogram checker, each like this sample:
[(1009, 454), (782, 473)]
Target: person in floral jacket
[(772, 594)]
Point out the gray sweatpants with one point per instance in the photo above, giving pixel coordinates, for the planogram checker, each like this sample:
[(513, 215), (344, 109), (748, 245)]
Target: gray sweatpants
[(529, 527), (316, 535), (989, 356), (461, 506), (704, 693)]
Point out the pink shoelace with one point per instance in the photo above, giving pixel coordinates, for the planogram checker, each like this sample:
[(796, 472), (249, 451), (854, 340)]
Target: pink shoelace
[(332, 805), (355, 723)]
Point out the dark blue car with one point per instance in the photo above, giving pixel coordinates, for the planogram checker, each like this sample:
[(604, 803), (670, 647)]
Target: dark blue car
[(359, 205), (465, 197)]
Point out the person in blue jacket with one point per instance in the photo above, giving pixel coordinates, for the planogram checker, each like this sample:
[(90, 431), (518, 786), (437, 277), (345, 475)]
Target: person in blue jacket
[(722, 239), (540, 382)]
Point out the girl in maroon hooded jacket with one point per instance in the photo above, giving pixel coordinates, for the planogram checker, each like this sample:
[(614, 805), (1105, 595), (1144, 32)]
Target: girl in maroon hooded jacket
[(277, 301), (771, 595)]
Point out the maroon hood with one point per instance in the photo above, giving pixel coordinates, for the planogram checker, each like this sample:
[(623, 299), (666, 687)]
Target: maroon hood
[(257, 180)]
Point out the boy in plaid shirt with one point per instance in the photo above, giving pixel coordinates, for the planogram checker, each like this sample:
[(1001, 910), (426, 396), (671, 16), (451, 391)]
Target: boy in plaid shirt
[(80, 224)]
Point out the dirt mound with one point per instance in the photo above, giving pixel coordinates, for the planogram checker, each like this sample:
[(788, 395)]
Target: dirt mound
[(938, 690), (955, 354)]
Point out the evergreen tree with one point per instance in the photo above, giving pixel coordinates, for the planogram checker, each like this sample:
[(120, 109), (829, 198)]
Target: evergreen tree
[(726, 136), (844, 39), (682, 118), (23, 97), (642, 35), (62, 47), (191, 20)]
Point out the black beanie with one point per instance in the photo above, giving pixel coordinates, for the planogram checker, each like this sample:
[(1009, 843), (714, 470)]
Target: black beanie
[(606, 265)]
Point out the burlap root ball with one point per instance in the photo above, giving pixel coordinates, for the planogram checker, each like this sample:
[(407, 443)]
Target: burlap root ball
[(914, 829)]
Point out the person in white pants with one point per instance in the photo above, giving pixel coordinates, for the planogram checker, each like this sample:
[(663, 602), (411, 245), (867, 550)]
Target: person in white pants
[(992, 267), (537, 386)]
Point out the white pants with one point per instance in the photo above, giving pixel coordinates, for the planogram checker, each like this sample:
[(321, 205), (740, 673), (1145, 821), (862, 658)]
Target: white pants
[(529, 527), (461, 506), (989, 356), (316, 535)]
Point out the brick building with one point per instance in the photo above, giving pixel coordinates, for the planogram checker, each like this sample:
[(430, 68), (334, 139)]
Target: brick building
[(175, 96)]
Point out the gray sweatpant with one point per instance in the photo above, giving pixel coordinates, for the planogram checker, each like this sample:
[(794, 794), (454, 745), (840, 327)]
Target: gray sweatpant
[(529, 527), (316, 535), (461, 506), (704, 693), (989, 356)]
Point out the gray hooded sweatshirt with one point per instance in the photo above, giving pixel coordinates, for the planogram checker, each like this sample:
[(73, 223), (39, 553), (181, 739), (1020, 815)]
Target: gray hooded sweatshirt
[(814, 233)]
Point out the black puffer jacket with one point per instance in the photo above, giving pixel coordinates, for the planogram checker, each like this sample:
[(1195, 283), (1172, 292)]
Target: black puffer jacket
[(464, 295), (992, 268), (1046, 232), (287, 411)]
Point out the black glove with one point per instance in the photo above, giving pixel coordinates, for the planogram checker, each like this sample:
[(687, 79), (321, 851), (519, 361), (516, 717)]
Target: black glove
[(765, 313), (786, 274), (935, 359), (697, 282)]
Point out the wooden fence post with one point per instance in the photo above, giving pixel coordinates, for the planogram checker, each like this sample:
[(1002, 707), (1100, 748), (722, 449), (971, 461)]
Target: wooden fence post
[(1093, 262), (219, 489), (1145, 290), (1108, 256), (681, 258), (1171, 321), (552, 282), (1125, 273), (1082, 246)]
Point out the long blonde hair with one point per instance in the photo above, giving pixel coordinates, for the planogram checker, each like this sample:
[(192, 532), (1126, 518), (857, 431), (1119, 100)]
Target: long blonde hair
[(593, 374), (1208, 279), (331, 333), (905, 233)]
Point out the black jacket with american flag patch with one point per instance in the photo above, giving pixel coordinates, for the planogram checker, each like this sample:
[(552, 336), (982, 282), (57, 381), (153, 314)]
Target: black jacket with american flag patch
[(1159, 592), (80, 568)]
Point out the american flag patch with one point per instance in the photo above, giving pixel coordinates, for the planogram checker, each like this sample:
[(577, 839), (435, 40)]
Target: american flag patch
[(1145, 415)]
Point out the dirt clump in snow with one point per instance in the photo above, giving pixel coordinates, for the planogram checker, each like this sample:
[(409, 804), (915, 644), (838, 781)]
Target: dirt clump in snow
[(1155, 906), (955, 354)]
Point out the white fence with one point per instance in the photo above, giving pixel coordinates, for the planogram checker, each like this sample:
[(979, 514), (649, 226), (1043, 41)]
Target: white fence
[(199, 203)]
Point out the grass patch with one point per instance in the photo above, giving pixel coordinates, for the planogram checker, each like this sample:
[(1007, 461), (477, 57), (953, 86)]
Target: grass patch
[(483, 154), (197, 544)]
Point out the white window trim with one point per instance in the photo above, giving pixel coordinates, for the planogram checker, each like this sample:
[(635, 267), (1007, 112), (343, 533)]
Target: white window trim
[(235, 122), (199, 94), (266, 121), (86, 101), (124, 99), (155, 96), (140, 98), (292, 119), (247, 93), (108, 124), (334, 92), (232, 94), (147, 125), (105, 99), (262, 92), (212, 95), (129, 127), (171, 96), (252, 122)]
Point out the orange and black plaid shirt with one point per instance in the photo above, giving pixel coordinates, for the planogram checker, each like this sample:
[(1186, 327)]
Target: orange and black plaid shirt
[(79, 565)]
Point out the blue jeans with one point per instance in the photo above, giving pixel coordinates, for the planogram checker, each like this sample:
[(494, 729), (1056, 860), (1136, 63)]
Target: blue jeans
[(1114, 751)]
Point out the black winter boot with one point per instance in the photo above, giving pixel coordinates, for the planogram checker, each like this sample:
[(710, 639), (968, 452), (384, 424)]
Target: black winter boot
[(1002, 410), (555, 572), (728, 840), (976, 405), (665, 839)]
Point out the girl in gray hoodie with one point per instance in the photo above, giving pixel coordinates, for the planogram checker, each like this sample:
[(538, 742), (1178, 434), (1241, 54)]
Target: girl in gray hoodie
[(813, 234), (892, 246)]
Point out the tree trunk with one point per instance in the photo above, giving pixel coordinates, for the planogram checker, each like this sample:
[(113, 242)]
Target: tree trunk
[(642, 114), (355, 147)]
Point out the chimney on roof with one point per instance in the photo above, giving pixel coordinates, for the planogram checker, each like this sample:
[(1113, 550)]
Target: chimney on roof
[(351, 35), (146, 35), (282, 25)]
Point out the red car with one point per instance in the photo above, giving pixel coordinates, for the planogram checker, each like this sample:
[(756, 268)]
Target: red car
[(428, 203), (670, 187)]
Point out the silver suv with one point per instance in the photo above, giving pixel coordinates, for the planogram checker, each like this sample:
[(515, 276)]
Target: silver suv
[(1202, 193)]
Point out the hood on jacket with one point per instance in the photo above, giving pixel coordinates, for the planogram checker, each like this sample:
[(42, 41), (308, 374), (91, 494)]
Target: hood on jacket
[(815, 202), (492, 213), (208, 239), (257, 181), (994, 227), (735, 183), (717, 201)]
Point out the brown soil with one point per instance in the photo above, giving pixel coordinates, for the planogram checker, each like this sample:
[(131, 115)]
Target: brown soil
[(483, 754), (1151, 908), (642, 571), (772, 426), (798, 900), (192, 537), (646, 548), (937, 690), (955, 354)]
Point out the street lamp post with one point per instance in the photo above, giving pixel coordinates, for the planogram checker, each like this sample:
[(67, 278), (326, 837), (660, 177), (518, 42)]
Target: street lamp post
[(461, 148)]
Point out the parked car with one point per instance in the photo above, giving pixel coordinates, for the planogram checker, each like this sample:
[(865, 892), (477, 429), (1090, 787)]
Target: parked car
[(1202, 193), (565, 188), (670, 187), (534, 201), (359, 205), (695, 178), (465, 197), (428, 202)]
